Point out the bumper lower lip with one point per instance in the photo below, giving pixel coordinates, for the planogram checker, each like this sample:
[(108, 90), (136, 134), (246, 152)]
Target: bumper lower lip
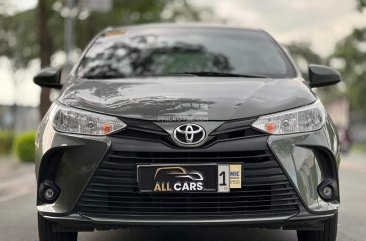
[(81, 223), (167, 221)]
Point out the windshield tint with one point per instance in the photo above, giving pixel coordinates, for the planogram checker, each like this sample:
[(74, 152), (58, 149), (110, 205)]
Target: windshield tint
[(170, 51)]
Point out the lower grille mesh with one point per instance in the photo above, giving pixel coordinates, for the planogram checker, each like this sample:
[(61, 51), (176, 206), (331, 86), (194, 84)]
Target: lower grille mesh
[(265, 192)]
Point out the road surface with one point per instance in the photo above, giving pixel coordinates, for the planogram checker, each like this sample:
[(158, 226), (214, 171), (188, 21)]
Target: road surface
[(18, 215)]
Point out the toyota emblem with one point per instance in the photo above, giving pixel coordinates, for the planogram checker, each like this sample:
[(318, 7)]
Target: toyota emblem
[(189, 134)]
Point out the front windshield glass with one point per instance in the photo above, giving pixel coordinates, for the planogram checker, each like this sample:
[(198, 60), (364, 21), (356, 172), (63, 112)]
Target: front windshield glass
[(171, 51)]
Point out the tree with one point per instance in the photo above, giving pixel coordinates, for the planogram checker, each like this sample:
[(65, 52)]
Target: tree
[(361, 4), (45, 51), (350, 53), (303, 55), (21, 44)]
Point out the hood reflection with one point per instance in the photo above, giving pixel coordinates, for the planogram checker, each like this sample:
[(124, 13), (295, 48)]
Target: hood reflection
[(209, 98)]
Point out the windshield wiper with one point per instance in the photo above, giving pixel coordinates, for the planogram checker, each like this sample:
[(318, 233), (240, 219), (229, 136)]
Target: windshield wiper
[(202, 73), (107, 76), (207, 73), (102, 76)]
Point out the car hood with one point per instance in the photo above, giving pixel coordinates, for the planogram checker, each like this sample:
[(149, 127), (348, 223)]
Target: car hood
[(186, 97)]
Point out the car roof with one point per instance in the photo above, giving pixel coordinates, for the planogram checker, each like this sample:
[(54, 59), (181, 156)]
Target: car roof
[(182, 26)]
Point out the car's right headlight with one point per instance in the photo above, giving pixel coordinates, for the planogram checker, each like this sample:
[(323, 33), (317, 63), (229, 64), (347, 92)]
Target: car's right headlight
[(71, 120), (303, 119)]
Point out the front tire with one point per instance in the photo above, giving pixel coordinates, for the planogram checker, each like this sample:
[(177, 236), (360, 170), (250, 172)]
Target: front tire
[(46, 234), (328, 234)]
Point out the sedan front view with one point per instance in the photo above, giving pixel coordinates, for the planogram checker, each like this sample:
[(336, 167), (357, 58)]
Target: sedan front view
[(187, 125)]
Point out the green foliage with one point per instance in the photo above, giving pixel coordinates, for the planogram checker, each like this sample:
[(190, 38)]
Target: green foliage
[(24, 146), (361, 4), (6, 142), (19, 41), (360, 147), (19, 34), (303, 55), (351, 52)]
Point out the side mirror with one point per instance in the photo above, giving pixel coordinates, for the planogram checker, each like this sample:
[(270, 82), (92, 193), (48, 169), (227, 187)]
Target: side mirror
[(323, 76), (49, 77)]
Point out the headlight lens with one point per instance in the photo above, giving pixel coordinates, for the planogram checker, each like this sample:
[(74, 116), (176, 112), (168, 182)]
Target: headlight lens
[(70, 120), (303, 119)]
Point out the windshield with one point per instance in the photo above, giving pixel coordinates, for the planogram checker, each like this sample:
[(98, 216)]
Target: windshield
[(174, 51)]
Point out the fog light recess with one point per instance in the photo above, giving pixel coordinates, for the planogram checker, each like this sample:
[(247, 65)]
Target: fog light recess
[(327, 190), (48, 192)]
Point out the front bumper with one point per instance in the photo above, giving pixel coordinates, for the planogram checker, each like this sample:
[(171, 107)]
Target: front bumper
[(301, 221), (304, 159)]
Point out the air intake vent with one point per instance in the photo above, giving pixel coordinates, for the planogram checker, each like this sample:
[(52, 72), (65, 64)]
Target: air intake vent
[(113, 191)]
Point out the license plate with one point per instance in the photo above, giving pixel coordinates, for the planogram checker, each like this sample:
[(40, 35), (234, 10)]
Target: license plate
[(187, 178)]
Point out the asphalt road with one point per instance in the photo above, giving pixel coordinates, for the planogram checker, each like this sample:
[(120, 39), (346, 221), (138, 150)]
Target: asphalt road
[(18, 214)]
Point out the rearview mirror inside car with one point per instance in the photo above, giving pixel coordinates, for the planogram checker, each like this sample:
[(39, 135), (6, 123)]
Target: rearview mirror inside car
[(49, 77), (323, 76)]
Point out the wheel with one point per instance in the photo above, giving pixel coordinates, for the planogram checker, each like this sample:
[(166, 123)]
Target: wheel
[(328, 234), (46, 234)]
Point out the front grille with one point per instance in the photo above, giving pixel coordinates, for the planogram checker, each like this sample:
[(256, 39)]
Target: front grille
[(149, 131), (265, 192)]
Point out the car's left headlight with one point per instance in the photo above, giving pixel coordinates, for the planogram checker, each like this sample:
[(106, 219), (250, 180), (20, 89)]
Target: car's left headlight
[(70, 120), (303, 119)]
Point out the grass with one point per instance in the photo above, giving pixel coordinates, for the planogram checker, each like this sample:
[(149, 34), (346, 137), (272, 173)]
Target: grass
[(359, 147)]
